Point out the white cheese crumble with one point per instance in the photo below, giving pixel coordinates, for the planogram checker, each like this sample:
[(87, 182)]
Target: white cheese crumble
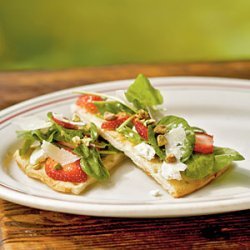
[(60, 155), (76, 139), (176, 138), (32, 123), (145, 151), (171, 171), (38, 155), (155, 193)]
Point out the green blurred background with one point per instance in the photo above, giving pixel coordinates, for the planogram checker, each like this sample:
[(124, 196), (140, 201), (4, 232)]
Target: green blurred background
[(45, 34)]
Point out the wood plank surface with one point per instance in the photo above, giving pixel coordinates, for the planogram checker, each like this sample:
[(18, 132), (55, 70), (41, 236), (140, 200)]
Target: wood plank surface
[(28, 228)]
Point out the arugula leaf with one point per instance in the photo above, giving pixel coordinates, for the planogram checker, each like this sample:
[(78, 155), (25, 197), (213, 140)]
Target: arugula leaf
[(142, 94), (224, 156), (131, 135), (91, 162), (26, 146), (31, 136), (82, 150), (173, 122), (198, 130), (64, 134), (112, 106), (200, 166), (93, 132), (152, 141), (93, 166)]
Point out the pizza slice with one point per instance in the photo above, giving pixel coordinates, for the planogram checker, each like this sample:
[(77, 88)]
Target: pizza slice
[(181, 158), (67, 155)]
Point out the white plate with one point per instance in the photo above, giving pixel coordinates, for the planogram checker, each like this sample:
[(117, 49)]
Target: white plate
[(221, 106)]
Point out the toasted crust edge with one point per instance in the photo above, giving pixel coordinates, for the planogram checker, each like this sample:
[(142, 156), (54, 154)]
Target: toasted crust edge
[(109, 162), (175, 188)]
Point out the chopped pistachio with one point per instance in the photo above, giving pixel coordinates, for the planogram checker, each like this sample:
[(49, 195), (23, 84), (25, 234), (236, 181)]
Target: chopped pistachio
[(109, 116), (170, 158), (142, 114), (35, 167), (76, 140), (160, 129), (162, 140), (58, 166)]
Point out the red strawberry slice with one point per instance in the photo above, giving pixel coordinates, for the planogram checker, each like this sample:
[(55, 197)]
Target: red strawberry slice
[(114, 124), (71, 172), (64, 123), (141, 129), (86, 101), (203, 143)]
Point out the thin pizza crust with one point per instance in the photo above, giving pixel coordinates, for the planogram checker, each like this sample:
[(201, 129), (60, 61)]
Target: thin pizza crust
[(38, 172), (175, 188)]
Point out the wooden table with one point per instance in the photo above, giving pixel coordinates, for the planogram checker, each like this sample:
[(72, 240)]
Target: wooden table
[(28, 228)]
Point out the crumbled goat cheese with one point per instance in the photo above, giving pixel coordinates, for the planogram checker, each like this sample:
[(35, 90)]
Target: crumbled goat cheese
[(171, 171), (155, 193), (76, 139), (145, 150), (176, 138)]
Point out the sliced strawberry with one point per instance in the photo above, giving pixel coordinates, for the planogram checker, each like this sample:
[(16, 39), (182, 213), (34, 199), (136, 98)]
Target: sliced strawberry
[(64, 124), (203, 143), (86, 101), (141, 129), (71, 172), (114, 124)]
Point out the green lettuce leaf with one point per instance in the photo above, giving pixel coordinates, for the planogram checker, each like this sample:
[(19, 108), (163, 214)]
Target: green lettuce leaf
[(198, 130), (173, 122), (112, 106), (200, 166), (92, 165), (131, 135), (29, 137), (225, 156), (93, 132), (142, 94)]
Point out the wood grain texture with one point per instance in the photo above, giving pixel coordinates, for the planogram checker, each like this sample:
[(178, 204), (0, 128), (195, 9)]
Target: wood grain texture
[(28, 228), (19, 86)]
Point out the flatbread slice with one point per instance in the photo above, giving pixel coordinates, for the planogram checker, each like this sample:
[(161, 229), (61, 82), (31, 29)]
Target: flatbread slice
[(176, 188), (38, 172)]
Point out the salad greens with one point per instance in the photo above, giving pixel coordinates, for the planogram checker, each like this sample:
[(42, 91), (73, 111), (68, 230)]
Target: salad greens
[(142, 94), (112, 106), (224, 156), (131, 135), (199, 166), (202, 165), (90, 161)]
